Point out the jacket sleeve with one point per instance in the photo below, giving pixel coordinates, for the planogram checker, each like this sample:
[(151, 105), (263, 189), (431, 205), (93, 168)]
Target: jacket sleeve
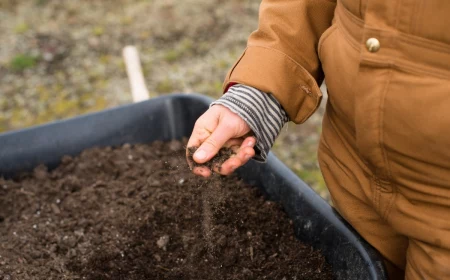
[(281, 55)]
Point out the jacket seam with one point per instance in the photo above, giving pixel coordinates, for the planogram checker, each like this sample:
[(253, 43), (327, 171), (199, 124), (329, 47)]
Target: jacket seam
[(348, 37), (228, 78), (404, 66), (391, 203), (298, 65), (417, 9), (424, 42), (381, 123), (383, 149), (324, 38)]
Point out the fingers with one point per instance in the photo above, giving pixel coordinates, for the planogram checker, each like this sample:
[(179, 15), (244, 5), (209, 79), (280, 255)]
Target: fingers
[(202, 171), (230, 165), (216, 128), (213, 143), (199, 135), (233, 143), (243, 154), (249, 142), (202, 130)]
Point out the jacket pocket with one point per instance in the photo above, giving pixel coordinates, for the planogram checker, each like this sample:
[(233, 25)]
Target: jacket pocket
[(324, 37)]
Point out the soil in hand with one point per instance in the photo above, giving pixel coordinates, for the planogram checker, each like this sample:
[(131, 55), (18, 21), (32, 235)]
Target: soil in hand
[(215, 162), (137, 212)]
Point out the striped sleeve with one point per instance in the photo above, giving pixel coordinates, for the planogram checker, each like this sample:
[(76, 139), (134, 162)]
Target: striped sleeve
[(262, 112)]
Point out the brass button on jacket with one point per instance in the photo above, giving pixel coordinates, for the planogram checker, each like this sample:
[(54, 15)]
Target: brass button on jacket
[(372, 44)]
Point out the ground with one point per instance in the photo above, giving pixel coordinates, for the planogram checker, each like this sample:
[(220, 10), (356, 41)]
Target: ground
[(63, 58)]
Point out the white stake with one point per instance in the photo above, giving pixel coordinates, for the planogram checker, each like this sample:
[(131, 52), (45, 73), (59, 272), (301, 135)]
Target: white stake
[(136, 77)]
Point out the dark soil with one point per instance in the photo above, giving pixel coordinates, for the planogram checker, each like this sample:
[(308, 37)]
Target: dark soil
[(137, 212), (216, 161)]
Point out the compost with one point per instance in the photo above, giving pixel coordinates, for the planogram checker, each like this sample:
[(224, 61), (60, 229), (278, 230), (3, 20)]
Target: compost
[(138, 212)]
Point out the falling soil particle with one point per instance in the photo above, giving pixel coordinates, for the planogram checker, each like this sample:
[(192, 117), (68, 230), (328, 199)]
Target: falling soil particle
[(138, 212)]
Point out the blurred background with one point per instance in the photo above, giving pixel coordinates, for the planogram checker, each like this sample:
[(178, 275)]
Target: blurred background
[(61, 58)]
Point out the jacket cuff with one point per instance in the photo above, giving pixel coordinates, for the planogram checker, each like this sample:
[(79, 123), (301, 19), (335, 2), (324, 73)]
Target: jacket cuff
[(275, 73), (262, 112)]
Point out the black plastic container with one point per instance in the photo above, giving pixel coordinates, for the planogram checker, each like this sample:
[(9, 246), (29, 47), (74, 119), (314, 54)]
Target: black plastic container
[(173, 117)]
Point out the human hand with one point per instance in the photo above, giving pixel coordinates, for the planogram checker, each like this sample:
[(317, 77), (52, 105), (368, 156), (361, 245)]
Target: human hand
[(216, 128)]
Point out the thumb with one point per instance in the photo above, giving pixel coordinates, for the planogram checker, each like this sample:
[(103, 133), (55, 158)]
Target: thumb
[(213, 143)]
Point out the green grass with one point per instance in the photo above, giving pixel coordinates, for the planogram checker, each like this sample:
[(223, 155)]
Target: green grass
[(98, 30), (21, 28), (165, 86), (21, 62), (172, 56)]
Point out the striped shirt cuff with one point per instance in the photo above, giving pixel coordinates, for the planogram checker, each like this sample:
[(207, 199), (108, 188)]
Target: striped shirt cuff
[(261, 111)]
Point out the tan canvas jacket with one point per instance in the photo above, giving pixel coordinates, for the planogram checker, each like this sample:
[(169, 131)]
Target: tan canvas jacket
[(282, 56)]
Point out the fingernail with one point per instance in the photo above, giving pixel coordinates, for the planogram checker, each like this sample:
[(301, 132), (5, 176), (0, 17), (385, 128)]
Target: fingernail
[(200, 155), (250, 144), (233, 168)]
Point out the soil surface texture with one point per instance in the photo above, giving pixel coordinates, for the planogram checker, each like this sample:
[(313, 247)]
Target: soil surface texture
[(137, 212)]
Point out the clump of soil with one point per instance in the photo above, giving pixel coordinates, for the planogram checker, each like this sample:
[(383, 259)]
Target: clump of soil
[(215, 162), (137, 212)]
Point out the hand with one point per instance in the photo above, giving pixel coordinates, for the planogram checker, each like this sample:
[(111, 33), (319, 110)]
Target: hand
[(216, 128)]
